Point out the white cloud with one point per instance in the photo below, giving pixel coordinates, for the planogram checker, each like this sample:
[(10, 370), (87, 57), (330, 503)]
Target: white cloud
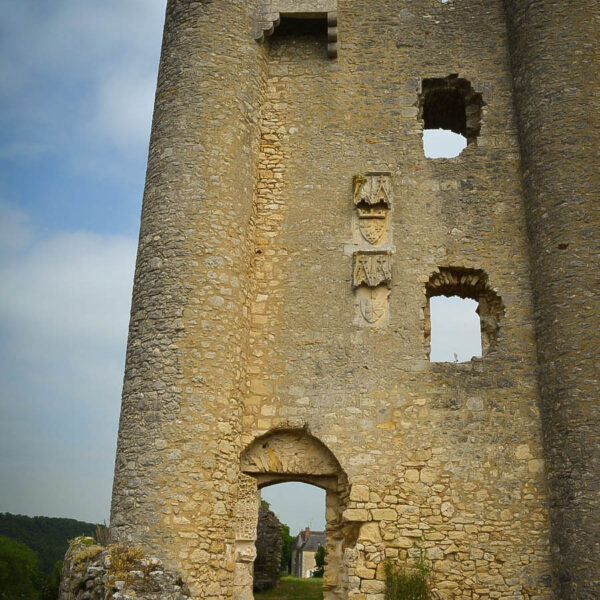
[(76, 96), (64, 309), (73, 70), (15, 233), (70, 287), (124, 108)]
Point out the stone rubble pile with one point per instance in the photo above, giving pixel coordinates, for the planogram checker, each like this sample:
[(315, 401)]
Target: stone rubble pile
[(94, 572)]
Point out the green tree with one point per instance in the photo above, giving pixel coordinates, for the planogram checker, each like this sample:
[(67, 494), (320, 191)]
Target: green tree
[(20, 578), (52, 583), (287, 541), (47, 536), (319, 562)]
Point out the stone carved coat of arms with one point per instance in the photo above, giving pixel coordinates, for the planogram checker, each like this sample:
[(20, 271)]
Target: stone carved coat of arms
[(372, 269), (372, 199), (373, 303)]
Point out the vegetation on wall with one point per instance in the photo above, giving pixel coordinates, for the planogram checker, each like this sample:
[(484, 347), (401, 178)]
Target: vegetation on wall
[(407, 583)]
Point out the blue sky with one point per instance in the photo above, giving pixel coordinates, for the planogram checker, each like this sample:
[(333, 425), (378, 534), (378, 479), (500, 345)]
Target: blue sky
[(76, 95)]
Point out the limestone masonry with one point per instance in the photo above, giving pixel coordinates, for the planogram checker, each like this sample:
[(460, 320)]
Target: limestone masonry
[(293, 233)]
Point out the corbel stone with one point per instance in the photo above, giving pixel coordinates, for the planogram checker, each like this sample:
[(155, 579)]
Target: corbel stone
[(332, 34)]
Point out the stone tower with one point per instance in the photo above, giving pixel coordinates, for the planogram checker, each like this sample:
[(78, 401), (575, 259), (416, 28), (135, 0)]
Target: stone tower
[(292, 236)]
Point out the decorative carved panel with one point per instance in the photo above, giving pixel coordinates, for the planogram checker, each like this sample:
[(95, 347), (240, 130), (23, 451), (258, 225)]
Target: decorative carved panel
[(373, 303), (246, 509), (290, 453), (372, 268), (373, 227), (373, 189), (373, 200)]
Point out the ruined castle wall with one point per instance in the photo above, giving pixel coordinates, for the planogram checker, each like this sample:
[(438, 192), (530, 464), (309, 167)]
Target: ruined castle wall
[(446, 456), (247, 316), (556, 61), (267, 565), (175, 475)]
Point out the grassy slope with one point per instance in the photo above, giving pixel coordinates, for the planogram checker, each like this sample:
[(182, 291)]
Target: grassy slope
[(293, 588)]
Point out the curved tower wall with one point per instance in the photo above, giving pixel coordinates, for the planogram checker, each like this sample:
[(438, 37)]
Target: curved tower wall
[(179, 428), (556, 69)]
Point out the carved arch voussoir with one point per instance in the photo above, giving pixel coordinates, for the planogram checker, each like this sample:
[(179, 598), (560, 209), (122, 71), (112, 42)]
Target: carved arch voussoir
[(293, 453)]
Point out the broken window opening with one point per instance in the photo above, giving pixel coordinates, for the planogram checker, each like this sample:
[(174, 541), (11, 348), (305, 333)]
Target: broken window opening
[(455, 329), (451, 113), (462, 283)]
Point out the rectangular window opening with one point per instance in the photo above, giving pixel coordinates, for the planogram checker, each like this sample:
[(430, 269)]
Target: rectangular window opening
[(455, 329)]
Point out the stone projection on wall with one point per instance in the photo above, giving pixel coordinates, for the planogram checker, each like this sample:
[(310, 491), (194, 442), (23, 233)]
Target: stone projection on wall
[(372, 268), (270, 13)]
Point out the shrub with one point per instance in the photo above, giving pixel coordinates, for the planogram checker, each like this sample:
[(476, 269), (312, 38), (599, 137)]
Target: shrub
[(319, 569), (102, 535), (123, 559), (407, 583)]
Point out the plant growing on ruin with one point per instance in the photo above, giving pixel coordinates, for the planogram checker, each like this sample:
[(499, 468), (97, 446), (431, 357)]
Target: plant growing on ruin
[(102, 535), (407, 583), (124, 559), (89, 551)]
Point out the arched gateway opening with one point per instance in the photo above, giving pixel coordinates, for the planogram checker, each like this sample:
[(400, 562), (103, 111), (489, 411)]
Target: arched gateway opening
[(292, 455)]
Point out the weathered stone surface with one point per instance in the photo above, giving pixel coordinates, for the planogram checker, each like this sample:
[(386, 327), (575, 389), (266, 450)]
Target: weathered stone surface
[(559, 156), (267, 564), (93, 572)]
